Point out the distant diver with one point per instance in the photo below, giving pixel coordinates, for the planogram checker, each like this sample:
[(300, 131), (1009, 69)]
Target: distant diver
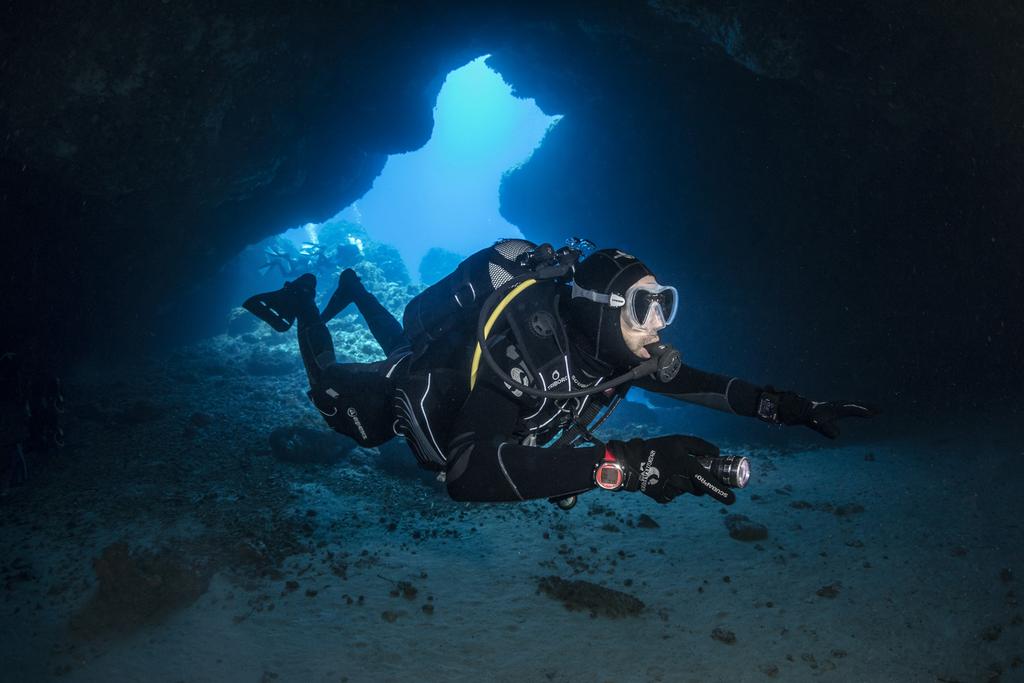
[(561, 340)]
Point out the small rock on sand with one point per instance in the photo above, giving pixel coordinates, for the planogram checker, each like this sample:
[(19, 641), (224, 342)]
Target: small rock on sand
[(586, 596), (646, 522), (723, 636), (829, 591), (742, 529)]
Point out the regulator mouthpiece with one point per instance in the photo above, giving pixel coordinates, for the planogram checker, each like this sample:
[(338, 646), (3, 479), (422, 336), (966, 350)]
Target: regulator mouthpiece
[(733, 470), (669, 360)]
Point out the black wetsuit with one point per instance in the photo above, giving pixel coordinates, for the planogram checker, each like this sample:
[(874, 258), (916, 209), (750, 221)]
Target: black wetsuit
[(488, 441)]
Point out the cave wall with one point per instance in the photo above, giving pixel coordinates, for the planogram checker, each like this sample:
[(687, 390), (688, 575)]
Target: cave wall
[(845, 218), (173, 134), (837, 189)]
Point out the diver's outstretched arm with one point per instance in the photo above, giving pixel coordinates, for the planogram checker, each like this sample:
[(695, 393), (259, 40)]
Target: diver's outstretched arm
[(728, 394), (765, 403)]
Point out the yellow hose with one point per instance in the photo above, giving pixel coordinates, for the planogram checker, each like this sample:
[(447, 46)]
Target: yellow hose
[(490, 322)]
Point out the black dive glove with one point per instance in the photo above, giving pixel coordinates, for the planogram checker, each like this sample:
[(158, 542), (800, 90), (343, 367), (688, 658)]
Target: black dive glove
[(666, 466), (788, 408)]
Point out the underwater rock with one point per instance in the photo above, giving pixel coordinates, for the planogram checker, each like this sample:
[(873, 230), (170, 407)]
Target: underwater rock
[(992, 633), (309, 446), (646, 522), (390, 262), (436, 264), (848, 509), (723, 636), (404, 589), (241, 321), (844, 510), (829, 591), (275, 364), (581, 595), (742, 529), (138, 587)]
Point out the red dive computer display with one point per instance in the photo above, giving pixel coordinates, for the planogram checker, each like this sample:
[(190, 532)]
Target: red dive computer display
[(609, 473)]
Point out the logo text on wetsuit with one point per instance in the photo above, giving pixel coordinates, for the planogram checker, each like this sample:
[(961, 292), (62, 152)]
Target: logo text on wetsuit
[(351, 412), (649, 474)]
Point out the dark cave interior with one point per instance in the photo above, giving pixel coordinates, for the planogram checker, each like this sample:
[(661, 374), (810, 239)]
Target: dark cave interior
[(838, 188)]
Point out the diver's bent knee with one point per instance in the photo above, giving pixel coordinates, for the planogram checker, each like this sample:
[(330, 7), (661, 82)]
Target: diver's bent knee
[(458, 493)]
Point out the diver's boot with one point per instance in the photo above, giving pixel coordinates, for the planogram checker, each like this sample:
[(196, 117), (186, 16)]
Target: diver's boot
[(279, 309), (349, 287)]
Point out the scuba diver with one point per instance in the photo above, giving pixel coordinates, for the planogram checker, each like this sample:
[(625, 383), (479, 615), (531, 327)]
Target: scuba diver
[(501, 371)]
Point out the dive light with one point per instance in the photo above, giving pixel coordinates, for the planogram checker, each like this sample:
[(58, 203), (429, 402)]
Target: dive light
[(733, 470)]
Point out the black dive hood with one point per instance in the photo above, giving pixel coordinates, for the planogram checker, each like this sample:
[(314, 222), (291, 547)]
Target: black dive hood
[(548, 264)]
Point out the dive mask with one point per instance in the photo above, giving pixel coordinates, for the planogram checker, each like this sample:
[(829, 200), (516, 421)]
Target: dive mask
[(642, 300), (642, 305)]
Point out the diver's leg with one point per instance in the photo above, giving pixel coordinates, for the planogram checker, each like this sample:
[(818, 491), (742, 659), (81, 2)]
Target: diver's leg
[(315, 343), (348, 283), (296, 303), (316, 348), (383, 326), (355, 400)]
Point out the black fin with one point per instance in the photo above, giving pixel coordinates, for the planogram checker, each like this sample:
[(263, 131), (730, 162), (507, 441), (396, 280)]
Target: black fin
[(348, 285), (272, 308), (279, 309)]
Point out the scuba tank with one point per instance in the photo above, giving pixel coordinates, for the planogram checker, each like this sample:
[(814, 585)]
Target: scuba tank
[(452, 304), (465, 304)]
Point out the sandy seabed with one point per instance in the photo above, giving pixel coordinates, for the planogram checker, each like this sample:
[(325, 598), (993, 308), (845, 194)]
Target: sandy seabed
[(168, 543)]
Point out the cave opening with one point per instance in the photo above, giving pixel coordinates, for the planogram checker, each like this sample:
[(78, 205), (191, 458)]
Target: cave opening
[(428, 209)]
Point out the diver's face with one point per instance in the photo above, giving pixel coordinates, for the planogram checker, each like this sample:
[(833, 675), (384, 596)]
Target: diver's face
[(636, 340)]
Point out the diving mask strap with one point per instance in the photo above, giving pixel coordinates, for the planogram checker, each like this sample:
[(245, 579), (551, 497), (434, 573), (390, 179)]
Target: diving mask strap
[(613, 300)]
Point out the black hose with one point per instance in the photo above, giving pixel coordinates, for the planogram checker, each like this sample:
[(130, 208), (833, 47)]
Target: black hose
[(646, 368)]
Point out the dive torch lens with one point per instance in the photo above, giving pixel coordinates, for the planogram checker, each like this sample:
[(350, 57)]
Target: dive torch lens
[(742, 473), (733, 470)]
